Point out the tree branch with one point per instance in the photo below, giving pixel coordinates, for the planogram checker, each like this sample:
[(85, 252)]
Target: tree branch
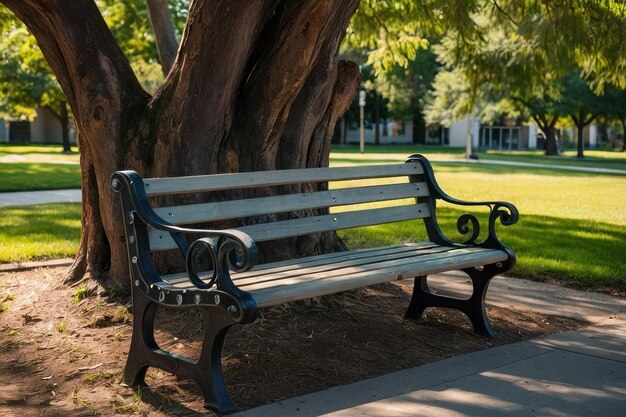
[(163, 28), (508, 16)]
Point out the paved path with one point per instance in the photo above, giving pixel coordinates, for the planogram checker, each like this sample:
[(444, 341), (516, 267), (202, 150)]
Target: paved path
[(579, 373), (533, 165), (26, 198)]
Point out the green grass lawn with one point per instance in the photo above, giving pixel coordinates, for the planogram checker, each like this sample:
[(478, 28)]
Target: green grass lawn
[(349, 154), (572, 225), (31, 176), (37, 167), (37, 153), (592, 159), (43, 231)]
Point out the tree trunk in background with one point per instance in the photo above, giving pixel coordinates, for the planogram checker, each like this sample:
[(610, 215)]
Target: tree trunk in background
[(256, 85), (65, 128), (581, 122), (377, 119), (581, 141), (623, 134), (164, 34), (552, 147), (546, 123), (63, 118)]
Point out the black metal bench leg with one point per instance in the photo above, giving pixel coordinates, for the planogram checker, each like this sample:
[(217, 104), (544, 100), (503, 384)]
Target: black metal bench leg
[(142, 344), (473, 307), (419, 300), (206, 371)]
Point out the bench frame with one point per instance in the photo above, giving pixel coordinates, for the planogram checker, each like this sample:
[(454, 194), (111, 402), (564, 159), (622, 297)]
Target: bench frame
[(223, 305)]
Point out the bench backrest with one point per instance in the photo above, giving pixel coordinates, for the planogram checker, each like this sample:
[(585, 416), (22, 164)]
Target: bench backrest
[(344, 192)]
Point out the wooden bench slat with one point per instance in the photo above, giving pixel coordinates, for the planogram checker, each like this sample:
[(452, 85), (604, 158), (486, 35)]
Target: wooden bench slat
[(337, 221), (234, 209), (160, 240), (338, 267), (304, 287), (314, 263), (184, 185)]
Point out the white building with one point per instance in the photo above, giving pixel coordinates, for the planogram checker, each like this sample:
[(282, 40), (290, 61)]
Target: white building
[(44, 129)]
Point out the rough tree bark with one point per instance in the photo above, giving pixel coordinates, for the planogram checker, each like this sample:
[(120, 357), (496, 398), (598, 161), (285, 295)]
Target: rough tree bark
[(255, 85)]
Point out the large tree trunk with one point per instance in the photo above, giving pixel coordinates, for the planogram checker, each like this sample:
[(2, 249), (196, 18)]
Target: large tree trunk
[(256, 85)]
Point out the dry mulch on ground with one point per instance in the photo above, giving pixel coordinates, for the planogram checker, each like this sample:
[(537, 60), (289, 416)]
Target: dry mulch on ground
[(64, 356)]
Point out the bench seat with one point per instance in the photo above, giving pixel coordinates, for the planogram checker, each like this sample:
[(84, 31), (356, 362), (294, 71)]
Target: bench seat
[(281, 282)]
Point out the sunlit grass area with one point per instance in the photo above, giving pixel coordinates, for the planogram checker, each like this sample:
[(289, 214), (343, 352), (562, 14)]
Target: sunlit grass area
[(39, 232), (349, 155), (37, 153), (572, 226), (29, 176), (37, 167), (592, 159)]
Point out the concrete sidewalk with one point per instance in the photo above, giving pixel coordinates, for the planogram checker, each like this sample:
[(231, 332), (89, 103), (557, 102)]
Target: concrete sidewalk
[(579, 373), (594, 170), (25, 198)]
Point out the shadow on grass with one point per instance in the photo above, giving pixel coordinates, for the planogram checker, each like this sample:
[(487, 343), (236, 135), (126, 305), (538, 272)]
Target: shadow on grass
[(582, 253)]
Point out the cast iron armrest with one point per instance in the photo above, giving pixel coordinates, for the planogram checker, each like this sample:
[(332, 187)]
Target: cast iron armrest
[(467, 224), (227, 249)]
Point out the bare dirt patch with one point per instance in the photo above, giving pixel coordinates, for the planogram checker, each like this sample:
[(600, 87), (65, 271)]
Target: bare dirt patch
[(62, 354)]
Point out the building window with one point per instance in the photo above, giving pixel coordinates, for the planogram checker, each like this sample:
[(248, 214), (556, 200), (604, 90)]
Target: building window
[(19, 132), (500, 137), (438, 135)]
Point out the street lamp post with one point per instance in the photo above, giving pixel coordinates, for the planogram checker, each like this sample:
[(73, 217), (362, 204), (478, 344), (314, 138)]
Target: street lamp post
[(362, 123)]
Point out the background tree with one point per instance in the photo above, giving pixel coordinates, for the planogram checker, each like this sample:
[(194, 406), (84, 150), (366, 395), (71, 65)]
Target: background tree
[(26, 81), (581, 104), (615, 108), (255, 85), (405, 88), (523, 51)]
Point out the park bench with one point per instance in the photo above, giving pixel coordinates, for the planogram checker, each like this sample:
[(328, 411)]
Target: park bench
[(222, 277)]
